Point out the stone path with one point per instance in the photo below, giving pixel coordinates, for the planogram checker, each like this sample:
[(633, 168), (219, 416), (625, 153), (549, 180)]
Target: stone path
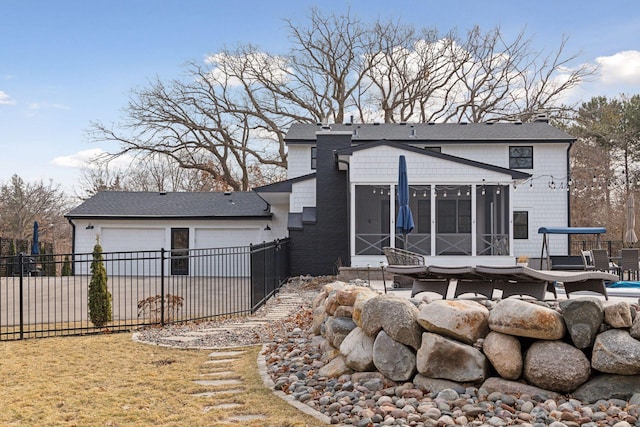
[(219, 376)]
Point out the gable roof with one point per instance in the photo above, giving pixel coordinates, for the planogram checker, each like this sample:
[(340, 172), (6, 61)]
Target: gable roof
[(434, 132), (176, 205), (515, 174)]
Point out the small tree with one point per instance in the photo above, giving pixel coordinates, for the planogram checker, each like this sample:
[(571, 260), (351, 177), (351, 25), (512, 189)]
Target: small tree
[(99, 295), (66, 266)]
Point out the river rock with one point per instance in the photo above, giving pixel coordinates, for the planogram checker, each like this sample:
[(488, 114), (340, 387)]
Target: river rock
[(319, 316), (335, 368), (462, 320), (607, 386), (635, 328), (582, 317), (344, 311), (503, 386), (347, 295), (512, 316), (616, 352), (357, 349), (337, 328), (441, 357), (618, 314), (393, 359), (556, 366), (504, 353), (436, 385), (396, 316)]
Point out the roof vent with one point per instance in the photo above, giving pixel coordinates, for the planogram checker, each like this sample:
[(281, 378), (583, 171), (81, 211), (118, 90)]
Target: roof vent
[(431, 123), (163, 193), (355, 131), (517, 122), (413, 132), (227, 193), (489, 123), (402, 123), (326, 127), (463, 123), (541, 117), (376, 124)]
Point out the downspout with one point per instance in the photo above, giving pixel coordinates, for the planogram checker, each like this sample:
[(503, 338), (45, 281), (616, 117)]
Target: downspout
[(73, 246)]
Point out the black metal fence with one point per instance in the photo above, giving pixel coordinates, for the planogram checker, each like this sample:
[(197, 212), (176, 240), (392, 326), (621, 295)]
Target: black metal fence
[(47, 295)]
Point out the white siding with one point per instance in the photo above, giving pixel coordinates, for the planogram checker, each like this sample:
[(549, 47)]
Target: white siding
[(303, 194), (298, 160)]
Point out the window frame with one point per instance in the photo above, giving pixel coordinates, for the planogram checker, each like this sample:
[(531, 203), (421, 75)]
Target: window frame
[(520, 227), (314, 158), (515, 159)]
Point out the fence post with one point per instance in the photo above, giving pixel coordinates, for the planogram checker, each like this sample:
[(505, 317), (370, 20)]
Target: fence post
[(162, 259), (21, 267)]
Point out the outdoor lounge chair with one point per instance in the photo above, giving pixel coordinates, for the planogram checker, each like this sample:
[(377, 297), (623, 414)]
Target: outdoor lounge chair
[(413, 265), (629, 263), (601, 261), (467, 280)]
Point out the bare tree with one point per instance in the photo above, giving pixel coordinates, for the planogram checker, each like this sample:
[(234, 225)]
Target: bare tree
[(227, 118), (22, 203)]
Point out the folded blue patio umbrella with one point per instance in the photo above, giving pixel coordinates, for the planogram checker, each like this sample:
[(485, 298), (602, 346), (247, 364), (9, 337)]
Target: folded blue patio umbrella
[(35, 249), (404, 222)]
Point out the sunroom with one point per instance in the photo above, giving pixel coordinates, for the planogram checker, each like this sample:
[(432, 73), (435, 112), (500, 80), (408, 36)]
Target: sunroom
[(461, 208)]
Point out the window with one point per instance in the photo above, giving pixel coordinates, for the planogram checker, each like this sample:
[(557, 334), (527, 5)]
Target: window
[(434, 149), (521, 157), (520, 224), (314, 154)]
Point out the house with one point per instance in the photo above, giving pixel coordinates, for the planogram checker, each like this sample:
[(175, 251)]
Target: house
[(479, 192), (138, 221)]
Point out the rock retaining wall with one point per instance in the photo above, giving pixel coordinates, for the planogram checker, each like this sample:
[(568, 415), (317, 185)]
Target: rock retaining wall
[(580, 346)]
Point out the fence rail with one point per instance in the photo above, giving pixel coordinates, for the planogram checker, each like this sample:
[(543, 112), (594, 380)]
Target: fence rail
[(47, 295)]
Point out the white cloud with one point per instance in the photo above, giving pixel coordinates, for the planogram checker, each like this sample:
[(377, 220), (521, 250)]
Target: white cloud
[(90, 158), (5, 99), (620, 68)]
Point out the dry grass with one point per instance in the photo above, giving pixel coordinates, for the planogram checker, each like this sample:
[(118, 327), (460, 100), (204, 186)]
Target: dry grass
[(108, 380)]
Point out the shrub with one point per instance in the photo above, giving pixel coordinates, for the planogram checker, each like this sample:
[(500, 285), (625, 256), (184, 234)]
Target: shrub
[(66, 266), (99, 295), (152, 307)]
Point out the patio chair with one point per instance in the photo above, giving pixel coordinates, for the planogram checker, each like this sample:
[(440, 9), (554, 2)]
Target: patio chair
[(411, 264), (587, 260), (601, 261), (629, 263)]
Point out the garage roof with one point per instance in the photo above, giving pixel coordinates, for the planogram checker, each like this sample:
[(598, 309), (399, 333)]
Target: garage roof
[(136, 204)]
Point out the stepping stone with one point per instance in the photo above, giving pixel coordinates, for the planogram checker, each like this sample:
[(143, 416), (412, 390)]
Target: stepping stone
[(219, 393), (218, 354), (219, 361), (216, 383), (240, 418), (221, 406), (218, 374)]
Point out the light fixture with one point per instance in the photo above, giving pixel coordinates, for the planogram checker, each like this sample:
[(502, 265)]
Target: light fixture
[(498, 190), (374, 190), (424, 194), (267, 228), (414, 193), (458, 192), (444, 194), (89, 227), (483, 192)]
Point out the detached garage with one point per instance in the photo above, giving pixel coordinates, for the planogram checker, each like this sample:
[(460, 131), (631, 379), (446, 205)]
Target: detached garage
[(150, 221)]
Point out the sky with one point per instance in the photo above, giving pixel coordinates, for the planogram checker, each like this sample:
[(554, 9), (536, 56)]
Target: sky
[(67, 63)]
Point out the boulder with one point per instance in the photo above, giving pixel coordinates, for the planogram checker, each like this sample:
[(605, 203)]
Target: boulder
[(393, 359), (337, 328), (515, 388), (556, 366), (616, 352), (396, 316), (635, 328), (504, 353), (462, 320), (361, 299), (335, 368), (344, 311), (512, 316), (582, 317), (618, 314), (319, 316), (441, 357), (607, 386), (357, 349), (347, 295)]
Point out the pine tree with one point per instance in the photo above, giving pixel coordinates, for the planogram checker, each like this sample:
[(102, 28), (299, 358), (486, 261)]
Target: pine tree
[(66, 266), (99, 295)]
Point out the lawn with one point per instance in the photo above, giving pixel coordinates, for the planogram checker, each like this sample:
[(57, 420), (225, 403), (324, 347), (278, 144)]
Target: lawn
[(109, 380)]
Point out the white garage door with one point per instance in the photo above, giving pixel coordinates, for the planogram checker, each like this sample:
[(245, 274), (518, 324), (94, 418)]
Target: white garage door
[(133, 240)]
